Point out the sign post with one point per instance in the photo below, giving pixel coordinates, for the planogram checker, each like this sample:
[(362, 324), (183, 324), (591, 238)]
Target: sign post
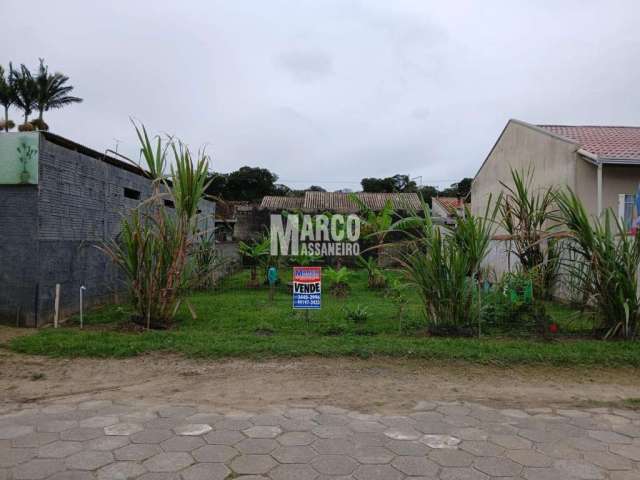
[(307, 288)]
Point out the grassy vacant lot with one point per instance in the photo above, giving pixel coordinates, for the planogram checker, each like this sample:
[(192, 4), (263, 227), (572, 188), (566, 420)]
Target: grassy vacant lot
[(238, 322)]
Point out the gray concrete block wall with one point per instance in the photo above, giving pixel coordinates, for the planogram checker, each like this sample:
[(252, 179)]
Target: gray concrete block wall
[(18, 252), (77, 205)]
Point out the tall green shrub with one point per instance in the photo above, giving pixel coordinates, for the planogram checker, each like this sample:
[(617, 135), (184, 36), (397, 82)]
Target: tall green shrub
[(155, 242), (529, 217), (442, 264), (604, 265)]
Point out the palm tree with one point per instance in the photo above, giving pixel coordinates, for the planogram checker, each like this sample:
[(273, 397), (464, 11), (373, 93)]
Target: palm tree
[(26, 91), (7, 93), (52, 91)]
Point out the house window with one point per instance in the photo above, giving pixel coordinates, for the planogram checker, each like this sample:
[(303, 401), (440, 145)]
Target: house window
[(131, 193), (626, 209)]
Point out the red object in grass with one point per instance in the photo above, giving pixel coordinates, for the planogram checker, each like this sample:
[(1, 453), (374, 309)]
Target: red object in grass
[(553, 328)]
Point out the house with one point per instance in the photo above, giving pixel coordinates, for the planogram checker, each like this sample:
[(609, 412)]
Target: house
[(59, 200), (600, 163), (447, 208), (339, 202)]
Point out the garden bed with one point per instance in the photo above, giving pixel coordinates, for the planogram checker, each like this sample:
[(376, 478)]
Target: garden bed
[(237, 322)]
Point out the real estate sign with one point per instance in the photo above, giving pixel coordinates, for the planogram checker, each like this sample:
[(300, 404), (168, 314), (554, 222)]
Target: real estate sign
[(307, 288)]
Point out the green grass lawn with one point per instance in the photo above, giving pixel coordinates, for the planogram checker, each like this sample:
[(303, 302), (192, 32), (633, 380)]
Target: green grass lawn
[(238, 322)]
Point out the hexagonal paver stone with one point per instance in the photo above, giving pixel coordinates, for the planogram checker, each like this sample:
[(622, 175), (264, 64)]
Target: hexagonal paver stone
[(182, 444), (193, 429), (631, 452), (137, 452), (177, 411), (262, 432), (72, 475), (579, 469), (510, 441), (407, 433), (331, 431), (252, 464), (106, 443), (57, 426), (610, 461), (89, 460), (10, 457), (498, 466), (37, 469), (371, 454), (416, 466), (291, 472), (168, 462), (362, 427), (59, 449), (123, 429), (223, 437), (415, 449), (440, 441), (214, 453), (155, 435), (294, 454), (121, 471), (334, 464), (461, 473), (160, 476), (544, 474), (233, 424), (338, 446), (451, 458), (481, 449), (96, 422), (609, 437), (291, 439), (377, 472), (81, 434), (8, 432), (258, 446), (206, 471), (34, 439), (529, 458)]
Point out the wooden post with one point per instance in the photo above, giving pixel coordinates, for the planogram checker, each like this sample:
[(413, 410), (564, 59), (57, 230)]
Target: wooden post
[(56, 307)]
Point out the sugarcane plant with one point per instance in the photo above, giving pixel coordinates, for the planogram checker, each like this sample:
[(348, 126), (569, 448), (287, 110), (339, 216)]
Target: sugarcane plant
[(155, 243), (604, 265)]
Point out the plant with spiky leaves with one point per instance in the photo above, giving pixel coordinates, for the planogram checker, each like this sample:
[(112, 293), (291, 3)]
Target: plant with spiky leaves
[(7, 95), (604, 265), (155, 244)]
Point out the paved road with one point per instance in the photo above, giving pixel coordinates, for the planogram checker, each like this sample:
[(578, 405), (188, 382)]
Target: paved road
[(100, 439)]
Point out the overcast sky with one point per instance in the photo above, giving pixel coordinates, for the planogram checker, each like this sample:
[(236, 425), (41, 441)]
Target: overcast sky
[(328, 92)]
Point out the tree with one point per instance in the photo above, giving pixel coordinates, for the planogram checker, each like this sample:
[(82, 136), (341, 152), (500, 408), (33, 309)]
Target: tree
[(52, 90), (397, 183), (316, 188), (7, 93), (26, 91), (460, 189), (249, 183)]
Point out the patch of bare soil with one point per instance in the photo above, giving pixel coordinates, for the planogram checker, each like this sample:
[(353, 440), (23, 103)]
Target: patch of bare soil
[(384, 385)]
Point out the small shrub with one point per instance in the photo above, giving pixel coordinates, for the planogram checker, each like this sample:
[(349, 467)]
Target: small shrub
[(375, 276), (358, 314), (338, 281), (26, 127)]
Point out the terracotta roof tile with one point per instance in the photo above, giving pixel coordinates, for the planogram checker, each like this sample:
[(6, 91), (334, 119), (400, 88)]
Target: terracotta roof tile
[(341, 202), (606, 142)]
